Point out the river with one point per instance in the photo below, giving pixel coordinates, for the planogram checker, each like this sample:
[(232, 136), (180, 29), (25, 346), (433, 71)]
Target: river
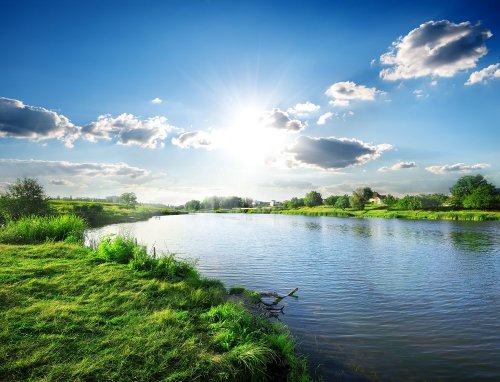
[(379, 299)]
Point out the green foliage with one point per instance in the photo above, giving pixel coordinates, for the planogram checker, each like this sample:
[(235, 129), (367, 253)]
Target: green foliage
[(294, 203), (129, 199), (409, 202), (357, 200), (473, 191), (390, 200), (65, 316), (193, 205), (24, 197), (312, 199), (252, 295), (37, 229), (342, 202), (118, 248), (331, 200)]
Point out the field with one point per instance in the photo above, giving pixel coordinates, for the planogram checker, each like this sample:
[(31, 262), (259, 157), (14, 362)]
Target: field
[(101, 213)]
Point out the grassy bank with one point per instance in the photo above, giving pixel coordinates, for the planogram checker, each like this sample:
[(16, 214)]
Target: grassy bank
[(383, 212), (69, 313), (102, 213)]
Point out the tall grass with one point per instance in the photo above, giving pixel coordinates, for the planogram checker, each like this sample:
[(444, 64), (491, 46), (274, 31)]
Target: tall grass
[(38, 229)]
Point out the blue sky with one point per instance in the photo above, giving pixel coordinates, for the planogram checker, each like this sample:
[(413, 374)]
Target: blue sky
[(176, 100)]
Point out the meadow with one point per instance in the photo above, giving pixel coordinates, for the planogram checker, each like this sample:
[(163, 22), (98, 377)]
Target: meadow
[(115, 313), (97, 214)]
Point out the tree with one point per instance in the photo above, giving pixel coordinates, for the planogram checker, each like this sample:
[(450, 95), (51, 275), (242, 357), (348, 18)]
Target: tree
[(24, 197), (129, 199), (360, 197), (295, 203), (342, 202), (312, 199), (409, 202), (472, 191), (331, 200), (390, 200), (193, 205)]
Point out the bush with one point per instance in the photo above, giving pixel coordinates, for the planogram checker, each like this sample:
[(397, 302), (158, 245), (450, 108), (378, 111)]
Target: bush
[(37, 229), (118, 249)]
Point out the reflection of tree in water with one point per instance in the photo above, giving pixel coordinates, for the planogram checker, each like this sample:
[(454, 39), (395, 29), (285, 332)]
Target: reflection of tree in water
[(312, 226), (472, 240), (361, 230)]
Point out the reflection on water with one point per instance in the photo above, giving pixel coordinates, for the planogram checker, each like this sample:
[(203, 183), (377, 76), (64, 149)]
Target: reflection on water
[(378, 299), (472, 241)]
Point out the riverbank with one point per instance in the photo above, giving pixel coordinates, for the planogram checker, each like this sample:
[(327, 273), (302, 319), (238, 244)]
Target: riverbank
[(70, 313), (98, 214), (372, 212)]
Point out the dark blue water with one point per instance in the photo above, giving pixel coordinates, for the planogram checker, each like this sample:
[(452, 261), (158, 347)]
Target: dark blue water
[(379, 299)]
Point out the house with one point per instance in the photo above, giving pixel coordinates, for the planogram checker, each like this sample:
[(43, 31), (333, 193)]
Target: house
[(377, 198), (274, 203)]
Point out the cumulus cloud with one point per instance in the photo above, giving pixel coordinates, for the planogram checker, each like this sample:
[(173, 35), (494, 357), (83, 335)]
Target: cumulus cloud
[(129, 130), (342, 93), (18, 120), (156, 101), (324, 117), (436, 48), (194, 139), (303, 109), (279, 119), (333, 153), (37, 168), (482, 76), (457, 167), (398, 166)]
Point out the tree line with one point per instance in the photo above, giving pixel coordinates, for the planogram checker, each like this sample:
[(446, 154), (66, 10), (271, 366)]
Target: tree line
[(469, 192)]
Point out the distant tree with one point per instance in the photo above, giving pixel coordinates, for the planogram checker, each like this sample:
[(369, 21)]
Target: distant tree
[(482, 197), (390, 200), (211, 203), (24, 197), (129, 199), (409, 202), (433, 201), (193, 205), (331, 200), (472, 191), (360, 197), (295, 203), (342, 202), (231, 202), (312, 199)]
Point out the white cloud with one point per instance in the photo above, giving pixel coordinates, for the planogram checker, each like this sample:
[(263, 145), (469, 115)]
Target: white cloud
[(37, 168), (279, 119), (482, 76), (333, 153), (436, 48), (303, 109), (18, 120), (195, 139), (458, 167), (398, 166), (156, 101), (129, 130), (419, 93), (342, 93), (434, 82), (324, 117)]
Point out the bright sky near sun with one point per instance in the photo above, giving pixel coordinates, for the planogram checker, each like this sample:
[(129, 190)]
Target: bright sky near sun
[(178, 100)]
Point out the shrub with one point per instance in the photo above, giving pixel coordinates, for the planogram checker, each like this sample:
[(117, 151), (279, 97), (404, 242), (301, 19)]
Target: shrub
[(37, 229), (119, 249)]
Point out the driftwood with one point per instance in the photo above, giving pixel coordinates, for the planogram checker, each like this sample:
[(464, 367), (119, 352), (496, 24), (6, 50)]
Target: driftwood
[(272, 307)]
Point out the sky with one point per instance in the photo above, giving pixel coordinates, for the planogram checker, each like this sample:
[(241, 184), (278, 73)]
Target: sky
[(179, 100)]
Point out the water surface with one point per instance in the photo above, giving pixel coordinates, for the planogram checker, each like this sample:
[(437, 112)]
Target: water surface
[(380, 299)]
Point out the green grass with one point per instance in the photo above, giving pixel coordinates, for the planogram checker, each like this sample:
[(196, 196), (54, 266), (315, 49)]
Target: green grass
[(37, 229), (101, 213), (383, 212), (69, 313)]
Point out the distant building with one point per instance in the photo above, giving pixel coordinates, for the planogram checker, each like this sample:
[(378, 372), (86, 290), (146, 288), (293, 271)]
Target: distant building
[(377, 198), (274, 203)]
